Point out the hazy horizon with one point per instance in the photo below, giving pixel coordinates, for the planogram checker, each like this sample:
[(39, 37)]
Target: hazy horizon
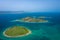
[(29, 5)]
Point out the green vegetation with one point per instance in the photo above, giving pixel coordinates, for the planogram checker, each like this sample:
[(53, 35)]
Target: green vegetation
[(16, 31)]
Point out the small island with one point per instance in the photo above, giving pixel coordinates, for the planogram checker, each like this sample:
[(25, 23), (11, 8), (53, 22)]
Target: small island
[(34, 19), (16, 31)]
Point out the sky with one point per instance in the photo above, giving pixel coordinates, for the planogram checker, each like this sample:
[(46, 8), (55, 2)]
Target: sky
[(30, 5)]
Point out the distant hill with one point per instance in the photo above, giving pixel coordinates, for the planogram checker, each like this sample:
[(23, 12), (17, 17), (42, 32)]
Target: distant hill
[(11, 12)]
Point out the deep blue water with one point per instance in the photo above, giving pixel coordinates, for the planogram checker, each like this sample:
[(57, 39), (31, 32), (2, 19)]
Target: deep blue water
[(40, 31)]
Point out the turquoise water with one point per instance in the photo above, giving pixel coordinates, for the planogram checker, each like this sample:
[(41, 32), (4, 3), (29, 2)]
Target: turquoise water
[(40, 31)]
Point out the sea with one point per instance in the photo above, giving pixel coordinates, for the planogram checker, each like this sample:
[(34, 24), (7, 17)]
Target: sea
[(40, 31)]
